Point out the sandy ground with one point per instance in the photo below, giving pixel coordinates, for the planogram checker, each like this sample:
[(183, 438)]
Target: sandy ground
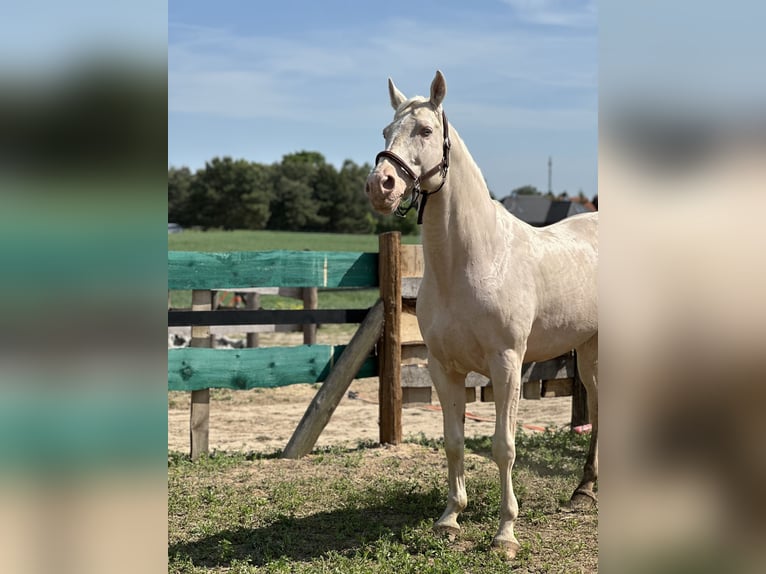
[(263, 420)]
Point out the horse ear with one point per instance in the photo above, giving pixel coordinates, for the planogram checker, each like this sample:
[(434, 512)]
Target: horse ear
[(396, 96), (438, 89)]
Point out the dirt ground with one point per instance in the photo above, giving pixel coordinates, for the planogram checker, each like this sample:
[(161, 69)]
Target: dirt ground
[(263, 420)]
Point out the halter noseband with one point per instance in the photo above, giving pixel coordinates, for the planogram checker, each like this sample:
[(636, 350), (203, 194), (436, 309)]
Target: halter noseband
[(417, 192)]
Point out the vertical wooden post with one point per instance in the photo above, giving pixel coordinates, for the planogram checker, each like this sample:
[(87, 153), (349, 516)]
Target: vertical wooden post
[(390, 352), (310, 301), (580, 414), (252, 302), (202, 300)]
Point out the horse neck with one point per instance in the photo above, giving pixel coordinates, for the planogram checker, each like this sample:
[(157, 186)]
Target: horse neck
[(459, 223)]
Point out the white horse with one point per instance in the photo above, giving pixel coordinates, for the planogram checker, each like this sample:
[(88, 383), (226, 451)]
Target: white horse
[(496, 292)]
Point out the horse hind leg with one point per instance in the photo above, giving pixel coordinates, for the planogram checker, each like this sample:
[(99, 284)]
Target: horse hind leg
[(450, 388), (587, 366)]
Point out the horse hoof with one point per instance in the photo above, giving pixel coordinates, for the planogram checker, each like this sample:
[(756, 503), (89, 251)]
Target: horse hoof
[(448, 531), (506, 548), (582, 500)]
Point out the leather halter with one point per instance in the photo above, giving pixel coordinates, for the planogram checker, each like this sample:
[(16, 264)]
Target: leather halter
[(416, 191)]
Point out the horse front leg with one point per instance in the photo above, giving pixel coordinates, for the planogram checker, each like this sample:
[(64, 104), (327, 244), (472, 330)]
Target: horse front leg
[(587, 366), (450, 388), (505, 372)]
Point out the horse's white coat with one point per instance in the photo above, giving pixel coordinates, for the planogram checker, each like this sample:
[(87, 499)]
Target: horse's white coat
[(496, 292)]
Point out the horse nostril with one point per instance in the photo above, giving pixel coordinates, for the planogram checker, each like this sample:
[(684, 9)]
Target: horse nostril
[(388, 183)]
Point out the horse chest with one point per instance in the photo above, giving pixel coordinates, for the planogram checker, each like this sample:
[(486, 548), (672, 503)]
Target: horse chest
[(456, 333)]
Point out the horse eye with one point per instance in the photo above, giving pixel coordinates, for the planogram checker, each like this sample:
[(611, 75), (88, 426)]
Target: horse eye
[(425, 132)]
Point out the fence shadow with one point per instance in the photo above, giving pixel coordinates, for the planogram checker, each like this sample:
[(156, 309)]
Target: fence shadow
[(307, 537)]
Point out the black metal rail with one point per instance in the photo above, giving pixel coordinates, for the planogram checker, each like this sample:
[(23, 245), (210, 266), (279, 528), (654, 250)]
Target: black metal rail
[(265, 317)]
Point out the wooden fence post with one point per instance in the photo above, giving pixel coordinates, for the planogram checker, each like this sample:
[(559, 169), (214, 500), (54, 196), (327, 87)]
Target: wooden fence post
[(252, 303), (332, 390), (390, 350), (202, 300), (310, 301), (580, 415)]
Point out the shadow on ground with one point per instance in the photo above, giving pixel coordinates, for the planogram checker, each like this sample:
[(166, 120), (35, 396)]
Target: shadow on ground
[(303, 538), (545, 454)]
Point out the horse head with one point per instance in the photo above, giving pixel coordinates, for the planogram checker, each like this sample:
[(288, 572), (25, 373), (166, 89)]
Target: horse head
[(416, 156)]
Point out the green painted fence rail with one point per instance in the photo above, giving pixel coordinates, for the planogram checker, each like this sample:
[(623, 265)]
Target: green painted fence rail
[(198, 368), (242, 269), (193, 369)]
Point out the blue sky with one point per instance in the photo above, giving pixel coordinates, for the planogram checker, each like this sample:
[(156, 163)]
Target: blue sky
[(261, 79)]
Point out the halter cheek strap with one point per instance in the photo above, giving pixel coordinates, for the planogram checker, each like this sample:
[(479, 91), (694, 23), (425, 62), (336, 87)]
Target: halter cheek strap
[(416, 191)]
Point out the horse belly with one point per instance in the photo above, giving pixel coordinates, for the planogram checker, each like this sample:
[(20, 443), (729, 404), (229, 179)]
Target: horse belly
[(544, 345), (558, 330)]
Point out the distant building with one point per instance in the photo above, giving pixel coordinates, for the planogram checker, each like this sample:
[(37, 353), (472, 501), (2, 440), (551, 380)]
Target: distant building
[(539, 210)]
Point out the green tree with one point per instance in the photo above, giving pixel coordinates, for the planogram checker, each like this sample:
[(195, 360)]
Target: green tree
[(327, 193), (179, 188), (348, 209), (233, 194), (408, 225), (526, 190), (294, 206)]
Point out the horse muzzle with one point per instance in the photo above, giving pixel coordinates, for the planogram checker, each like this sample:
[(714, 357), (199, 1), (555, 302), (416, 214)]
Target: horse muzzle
[(384, 190)]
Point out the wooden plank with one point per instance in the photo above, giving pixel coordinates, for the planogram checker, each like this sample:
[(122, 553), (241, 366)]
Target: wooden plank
[(390, 350), (552, 388), (531, 390), (415, 376), (241, 269), (199, 416), (190, 369), (411, 395), (265, 317), (414, 354), (476, 380), (332, 391), (410, 287), (561, 367), (310, 301), (252, 302), (557, 388), (412, 261), (415, 373), (409, 331)]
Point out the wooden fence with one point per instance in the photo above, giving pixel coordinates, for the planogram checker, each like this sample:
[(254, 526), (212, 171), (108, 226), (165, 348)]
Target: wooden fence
[(387, 342)]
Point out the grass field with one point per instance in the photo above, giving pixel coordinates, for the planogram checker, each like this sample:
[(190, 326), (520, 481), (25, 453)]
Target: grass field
[(268, 240), (371, 510), (271, 240)]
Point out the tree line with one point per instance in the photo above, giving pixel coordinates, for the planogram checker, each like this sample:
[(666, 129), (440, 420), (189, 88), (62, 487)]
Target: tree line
[(302, 192)]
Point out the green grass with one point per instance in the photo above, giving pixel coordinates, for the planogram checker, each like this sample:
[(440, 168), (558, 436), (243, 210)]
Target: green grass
[(356, 299), (371, 510), (269, 240), (291, 241)]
